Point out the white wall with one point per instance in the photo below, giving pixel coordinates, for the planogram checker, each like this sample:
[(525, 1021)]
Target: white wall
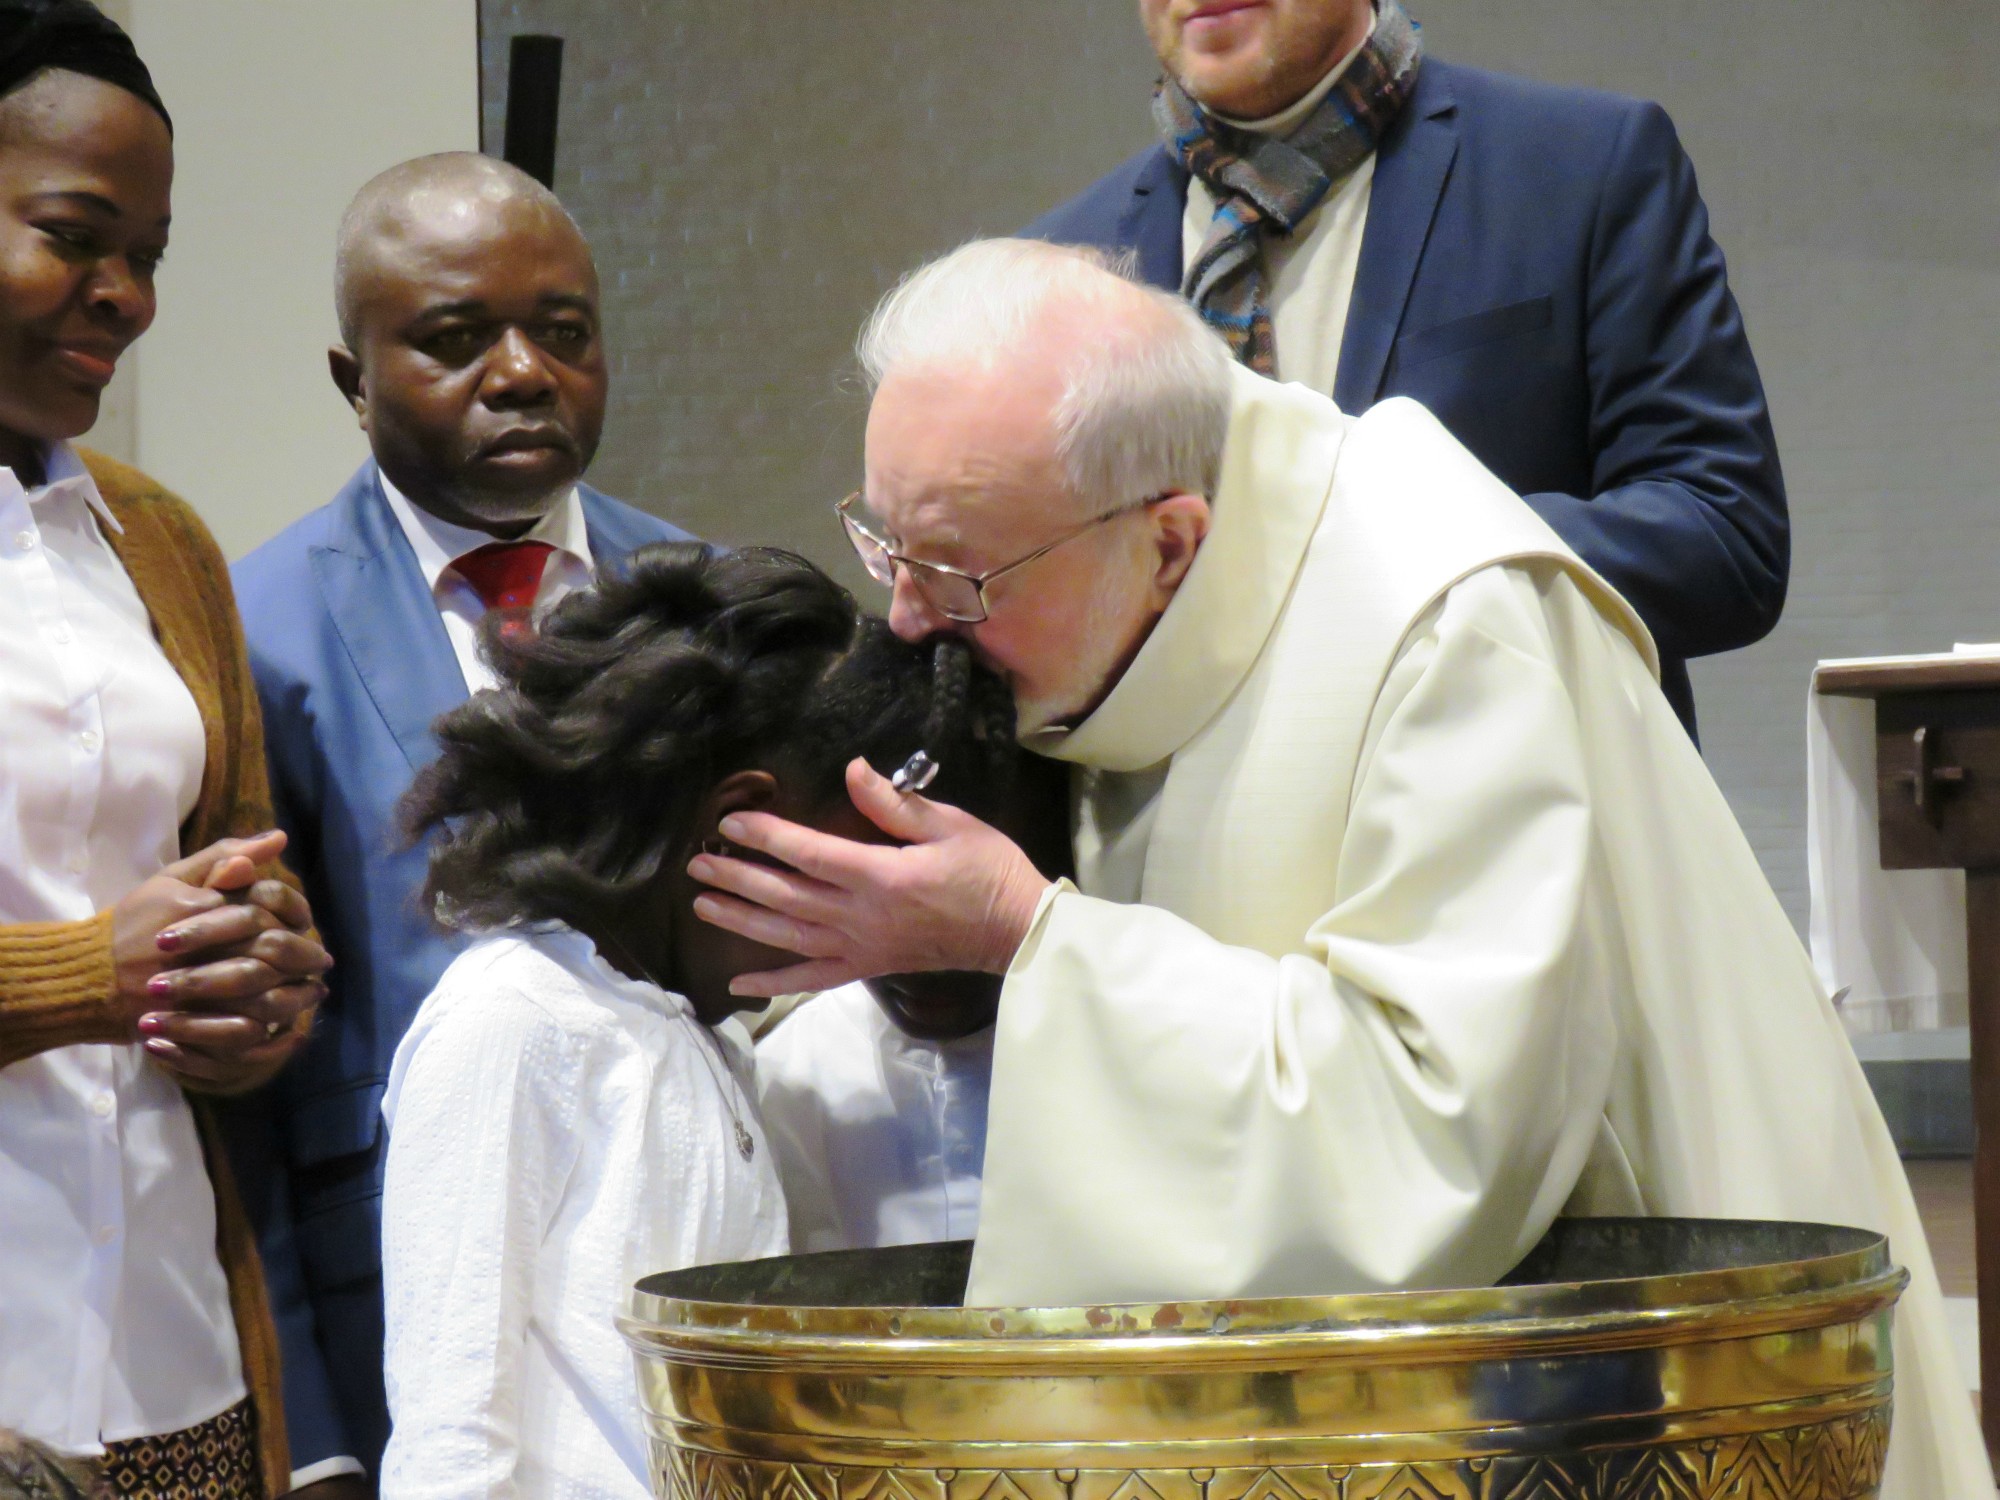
[(282, 108)]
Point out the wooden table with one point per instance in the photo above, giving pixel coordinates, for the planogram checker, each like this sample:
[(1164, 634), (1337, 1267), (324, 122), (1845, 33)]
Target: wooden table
[(1937, 791)]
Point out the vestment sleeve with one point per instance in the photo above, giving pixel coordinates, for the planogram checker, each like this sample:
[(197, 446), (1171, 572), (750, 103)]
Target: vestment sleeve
[(1686, 515), (1405, 1100), (481, 1141)]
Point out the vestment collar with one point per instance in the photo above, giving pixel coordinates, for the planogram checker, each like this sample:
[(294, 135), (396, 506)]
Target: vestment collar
[(1277, 470)]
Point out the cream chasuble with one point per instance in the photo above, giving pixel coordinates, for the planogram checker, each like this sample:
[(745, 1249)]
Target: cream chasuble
[(1410, 918)]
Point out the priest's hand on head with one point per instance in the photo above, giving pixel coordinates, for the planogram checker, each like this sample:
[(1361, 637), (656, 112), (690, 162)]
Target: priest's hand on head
[(954, 893)]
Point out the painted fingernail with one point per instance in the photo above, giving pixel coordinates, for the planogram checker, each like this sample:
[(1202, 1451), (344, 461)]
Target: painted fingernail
[(159, 984), (159, 1048), (701, 867), (734, 827), (170, 941), (151, 1022)]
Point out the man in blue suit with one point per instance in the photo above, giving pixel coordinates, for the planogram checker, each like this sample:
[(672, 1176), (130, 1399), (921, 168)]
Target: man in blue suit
[(1531, 263), (469, 309)]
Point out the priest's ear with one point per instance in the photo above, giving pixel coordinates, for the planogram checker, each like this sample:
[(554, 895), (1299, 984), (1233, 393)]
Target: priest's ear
[(1180, 525)]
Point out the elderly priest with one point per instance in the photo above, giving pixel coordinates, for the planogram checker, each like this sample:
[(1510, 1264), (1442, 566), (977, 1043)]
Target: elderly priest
[(1407, 917)]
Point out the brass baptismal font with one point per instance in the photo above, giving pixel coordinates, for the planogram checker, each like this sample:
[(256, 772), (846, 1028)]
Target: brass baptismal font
[(1625, 1359)]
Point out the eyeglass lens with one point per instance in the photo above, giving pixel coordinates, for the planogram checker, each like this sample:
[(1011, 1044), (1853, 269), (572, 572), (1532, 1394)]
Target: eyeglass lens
[(950, 594)]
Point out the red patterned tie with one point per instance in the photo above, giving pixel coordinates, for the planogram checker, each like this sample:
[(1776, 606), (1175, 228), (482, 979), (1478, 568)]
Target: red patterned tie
[(506, 575)]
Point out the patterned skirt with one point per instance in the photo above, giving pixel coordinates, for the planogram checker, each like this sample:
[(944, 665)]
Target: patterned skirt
[(213, 1460)]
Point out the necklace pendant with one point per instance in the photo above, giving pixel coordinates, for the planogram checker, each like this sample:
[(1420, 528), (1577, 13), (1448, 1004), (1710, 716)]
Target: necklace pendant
[(746, 1146)]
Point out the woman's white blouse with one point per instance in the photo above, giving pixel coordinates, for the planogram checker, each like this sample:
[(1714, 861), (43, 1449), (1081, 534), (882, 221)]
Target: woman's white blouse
[(556, 1132), (114, 1312)]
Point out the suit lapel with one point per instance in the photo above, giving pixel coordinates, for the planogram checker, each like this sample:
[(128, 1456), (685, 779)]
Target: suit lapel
[(386, 617), (1411, 170), (615, 531), (1151, 220)]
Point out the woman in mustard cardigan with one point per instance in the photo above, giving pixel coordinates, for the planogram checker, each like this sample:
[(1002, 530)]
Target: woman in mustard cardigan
[(151, 949)]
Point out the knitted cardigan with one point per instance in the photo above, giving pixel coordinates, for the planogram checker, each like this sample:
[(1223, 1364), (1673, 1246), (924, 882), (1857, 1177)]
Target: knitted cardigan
[(56, 978)]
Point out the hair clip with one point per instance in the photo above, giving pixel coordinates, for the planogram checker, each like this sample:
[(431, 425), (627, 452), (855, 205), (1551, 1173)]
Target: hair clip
[(918, 772)]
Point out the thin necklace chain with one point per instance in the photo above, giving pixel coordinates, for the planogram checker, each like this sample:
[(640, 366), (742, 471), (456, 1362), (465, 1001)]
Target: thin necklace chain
[(746, 1144)]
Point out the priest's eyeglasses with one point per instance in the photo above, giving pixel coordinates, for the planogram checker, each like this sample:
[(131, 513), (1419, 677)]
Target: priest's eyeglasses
[(954, 593)]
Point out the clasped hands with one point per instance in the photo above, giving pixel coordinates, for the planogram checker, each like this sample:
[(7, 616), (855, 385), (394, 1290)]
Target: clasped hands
[(951, 893), (216, 968)]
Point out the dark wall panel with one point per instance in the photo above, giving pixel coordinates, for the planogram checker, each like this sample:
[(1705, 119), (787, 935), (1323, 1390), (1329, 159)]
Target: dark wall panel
[(753, 176)]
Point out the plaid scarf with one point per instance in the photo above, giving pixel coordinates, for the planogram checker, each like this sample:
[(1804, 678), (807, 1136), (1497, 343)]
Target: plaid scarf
[(1264, 185)]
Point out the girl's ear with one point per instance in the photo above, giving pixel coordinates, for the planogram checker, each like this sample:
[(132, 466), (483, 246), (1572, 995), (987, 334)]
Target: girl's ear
[(740, 791)]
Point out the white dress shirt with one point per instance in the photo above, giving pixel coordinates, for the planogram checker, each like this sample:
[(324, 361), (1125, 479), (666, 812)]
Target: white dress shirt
[(1309, 274), (438, 544), (880, 1137), (114, 1312), (557, 1132)]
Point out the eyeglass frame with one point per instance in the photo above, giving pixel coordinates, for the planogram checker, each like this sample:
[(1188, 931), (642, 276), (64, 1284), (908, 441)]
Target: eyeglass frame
[(857, 534)]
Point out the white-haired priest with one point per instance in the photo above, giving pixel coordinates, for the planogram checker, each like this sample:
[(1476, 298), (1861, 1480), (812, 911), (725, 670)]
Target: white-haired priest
[(1406, 918)]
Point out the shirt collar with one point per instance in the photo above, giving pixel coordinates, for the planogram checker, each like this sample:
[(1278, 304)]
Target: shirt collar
[(896, 1042), (1293, 115), (439, 543), (66, 476)]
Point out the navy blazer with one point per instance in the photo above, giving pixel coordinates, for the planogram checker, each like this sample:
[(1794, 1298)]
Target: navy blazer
[(352, 666), (1537, 270)]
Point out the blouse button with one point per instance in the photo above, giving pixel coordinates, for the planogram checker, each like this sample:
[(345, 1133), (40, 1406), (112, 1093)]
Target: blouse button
[(25, 540), (102, 1105), (89, 740)]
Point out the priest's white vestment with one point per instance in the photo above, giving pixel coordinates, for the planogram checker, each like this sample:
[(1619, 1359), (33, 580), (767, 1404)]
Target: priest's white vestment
[(1409, 919)]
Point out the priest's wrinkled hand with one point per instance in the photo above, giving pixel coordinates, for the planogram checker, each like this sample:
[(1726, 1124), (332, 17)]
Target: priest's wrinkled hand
[(951, 893)]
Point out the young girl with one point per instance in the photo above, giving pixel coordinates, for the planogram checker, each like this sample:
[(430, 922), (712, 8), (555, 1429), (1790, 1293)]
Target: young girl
[(567, 1113)]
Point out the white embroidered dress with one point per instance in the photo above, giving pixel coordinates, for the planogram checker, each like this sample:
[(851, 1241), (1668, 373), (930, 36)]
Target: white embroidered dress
[(557, 1131)]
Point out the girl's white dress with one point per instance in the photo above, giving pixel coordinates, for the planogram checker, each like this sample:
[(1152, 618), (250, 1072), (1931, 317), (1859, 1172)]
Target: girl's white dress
[(557, 1131)]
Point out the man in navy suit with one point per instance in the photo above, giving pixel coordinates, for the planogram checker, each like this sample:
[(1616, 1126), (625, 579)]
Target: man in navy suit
[(1532, 263), (469, 309)]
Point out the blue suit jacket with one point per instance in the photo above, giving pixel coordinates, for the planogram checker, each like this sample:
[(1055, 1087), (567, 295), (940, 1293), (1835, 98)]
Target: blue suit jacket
[(352, 666), (1537, 270)]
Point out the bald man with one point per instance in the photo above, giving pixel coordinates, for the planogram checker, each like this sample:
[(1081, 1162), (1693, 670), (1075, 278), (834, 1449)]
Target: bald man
[(472, 358)]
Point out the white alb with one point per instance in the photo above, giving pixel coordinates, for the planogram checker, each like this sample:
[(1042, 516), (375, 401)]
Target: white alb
[(1410, 918)]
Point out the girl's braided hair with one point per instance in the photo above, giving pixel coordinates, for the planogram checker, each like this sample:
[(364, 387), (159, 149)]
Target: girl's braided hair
[(571, 786)]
